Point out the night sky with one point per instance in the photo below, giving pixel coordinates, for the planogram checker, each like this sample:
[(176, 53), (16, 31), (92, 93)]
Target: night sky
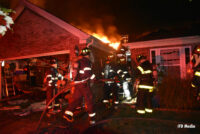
[(132, 17)]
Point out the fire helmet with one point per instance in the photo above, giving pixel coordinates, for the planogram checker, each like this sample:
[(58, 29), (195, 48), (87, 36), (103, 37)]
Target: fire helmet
[(53, 61), (109, 58), (123, 49), (85, 51), (121, 59), (140, 57), (196, 50)]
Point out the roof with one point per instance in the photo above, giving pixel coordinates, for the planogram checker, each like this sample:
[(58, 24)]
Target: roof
[(38, 33), (165, 42)]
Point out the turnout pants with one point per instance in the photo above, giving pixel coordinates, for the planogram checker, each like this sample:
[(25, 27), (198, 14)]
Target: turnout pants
[(110, 88), (144, 99), (50, 93), (80, 91)]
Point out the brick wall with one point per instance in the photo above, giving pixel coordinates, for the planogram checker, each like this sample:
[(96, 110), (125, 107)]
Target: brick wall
[(140, 51)]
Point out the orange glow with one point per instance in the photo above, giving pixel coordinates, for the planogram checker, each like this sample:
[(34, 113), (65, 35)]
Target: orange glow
[(189, 71), (105, 39)]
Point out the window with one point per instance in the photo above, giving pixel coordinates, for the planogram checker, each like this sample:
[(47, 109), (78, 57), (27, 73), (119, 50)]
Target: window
[(170, 57), (153, 56)]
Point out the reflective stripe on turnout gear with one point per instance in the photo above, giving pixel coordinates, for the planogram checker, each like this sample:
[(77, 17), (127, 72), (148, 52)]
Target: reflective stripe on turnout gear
[(92, 77), (92, 114), (141, 111), (108, 82), (81, 71), (68, 113), (105, 101), (116, 102), (76, 82), (92, 122), (193, 85), (197, 73), (49, 75), (125, 72), (145, 87), (119, 71), (54, 79), (111, 70), (144, 72), (84, 69), (148, 110)]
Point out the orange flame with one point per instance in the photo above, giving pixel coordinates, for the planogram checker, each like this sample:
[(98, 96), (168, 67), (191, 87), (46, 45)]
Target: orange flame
[(105, 39)]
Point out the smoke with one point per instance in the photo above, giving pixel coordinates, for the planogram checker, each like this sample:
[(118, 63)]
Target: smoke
[(102, 26), (93, 17), (88, 15)]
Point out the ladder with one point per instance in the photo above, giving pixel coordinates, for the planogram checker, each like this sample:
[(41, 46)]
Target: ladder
[(9, 86)]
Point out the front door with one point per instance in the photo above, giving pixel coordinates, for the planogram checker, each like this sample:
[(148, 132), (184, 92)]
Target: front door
[(174, 60)]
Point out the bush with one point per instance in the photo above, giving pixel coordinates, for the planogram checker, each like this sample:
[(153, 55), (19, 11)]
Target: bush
[(177, 94)]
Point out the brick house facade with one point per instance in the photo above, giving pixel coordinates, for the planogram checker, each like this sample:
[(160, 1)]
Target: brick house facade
[(173, 54)]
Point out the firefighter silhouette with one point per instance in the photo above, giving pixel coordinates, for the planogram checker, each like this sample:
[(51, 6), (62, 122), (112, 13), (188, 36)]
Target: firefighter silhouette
[(51, 79), (110, 88), (145, 80), (196, 71), (82, 76), (124, 71)]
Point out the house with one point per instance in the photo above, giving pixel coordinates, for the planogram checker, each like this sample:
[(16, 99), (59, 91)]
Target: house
[(37, 33), (173, 54)]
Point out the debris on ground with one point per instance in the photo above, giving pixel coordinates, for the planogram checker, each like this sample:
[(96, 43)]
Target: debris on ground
[(17, 102), (10, 108), (34, 107)]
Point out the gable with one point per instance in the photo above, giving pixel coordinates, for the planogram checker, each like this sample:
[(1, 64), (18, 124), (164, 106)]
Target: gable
[(32, 34)]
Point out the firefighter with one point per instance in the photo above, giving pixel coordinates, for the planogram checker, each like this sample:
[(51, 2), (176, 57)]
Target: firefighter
[(124, 74), (144, 76), (109, 74), (82, 75), (51, 79), (196, 71)]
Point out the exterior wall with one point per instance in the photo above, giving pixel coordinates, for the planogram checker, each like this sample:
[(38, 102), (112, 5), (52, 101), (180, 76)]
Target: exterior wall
[(139, 51), (176, 71), (34, 35)]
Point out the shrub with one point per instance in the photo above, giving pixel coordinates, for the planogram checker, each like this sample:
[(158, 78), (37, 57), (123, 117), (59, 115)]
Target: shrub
[(177, 94)]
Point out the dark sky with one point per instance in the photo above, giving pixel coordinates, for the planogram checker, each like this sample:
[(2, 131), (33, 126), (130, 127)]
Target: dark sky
[(133, 17)]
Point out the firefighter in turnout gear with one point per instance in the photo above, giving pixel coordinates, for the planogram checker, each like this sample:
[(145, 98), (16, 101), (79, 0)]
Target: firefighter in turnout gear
[(124, 74), (196, 71), (145, 86), (110, 88), (51, 79), (82, 74)]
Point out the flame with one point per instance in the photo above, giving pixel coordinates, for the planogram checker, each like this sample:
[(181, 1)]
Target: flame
[(105, 39)]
